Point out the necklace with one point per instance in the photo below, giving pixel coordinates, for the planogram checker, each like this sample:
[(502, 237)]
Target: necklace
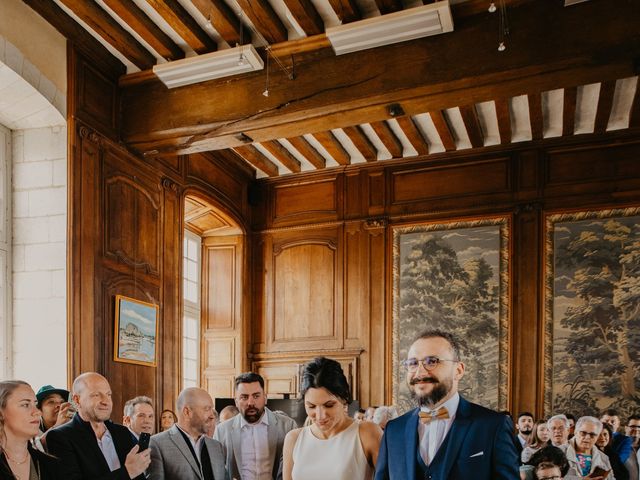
[(17, 462)]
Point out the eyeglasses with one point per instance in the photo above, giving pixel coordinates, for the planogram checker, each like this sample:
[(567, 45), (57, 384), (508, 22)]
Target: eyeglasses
[(428, 363), (549, 478), (588, 434), (633, 427)]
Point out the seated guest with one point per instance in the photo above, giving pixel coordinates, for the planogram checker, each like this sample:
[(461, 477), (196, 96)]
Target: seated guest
[(212, 428), (558, 426), (228, 412), (254, 439), (524, 426), (583, 456), (548, 471), (383, 414), (334, 446), (621, 443), (539, 438), (167, 419), (90, 446), (358, 416), (19, 423), (55, 408), (184, 452), (632, 430), (139, 416), (548, 457), (572, 424), (604, 443), (368, 414)]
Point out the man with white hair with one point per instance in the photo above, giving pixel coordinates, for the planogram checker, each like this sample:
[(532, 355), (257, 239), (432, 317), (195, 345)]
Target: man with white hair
[(585, 459), (139, 416), (185, 452), (558, 427)]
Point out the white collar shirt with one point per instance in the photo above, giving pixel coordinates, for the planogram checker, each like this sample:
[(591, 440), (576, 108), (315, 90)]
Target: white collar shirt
[(108, 449), (432, 434), (255, 461), (196, 444)]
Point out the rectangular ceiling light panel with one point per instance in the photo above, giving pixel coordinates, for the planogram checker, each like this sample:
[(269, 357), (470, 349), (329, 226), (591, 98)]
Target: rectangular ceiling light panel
[(201, 68), (394, 27)]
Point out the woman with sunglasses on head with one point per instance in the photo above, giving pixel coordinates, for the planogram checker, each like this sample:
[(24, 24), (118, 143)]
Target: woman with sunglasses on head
[(19, 423), (585, 460), (334, 445)]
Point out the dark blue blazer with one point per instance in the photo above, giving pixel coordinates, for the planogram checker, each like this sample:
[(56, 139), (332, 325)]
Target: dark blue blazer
[(75, 444), (480, 445)]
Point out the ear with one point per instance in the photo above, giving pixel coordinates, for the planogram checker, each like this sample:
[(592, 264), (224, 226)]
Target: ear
[(459, 371), (75, 398), (126, 420)]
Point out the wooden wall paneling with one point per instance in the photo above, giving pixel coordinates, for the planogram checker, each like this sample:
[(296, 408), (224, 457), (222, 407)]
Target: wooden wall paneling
[(305, 285), (353, 195), (314, 202), (356, 289), (374, 373)]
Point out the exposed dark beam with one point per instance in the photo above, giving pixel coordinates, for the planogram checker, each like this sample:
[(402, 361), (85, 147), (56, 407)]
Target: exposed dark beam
[(634, 114), (258, 160), (338, 91), (306, 15), (535, 115), (184, 25), (389, 6), (265, 19), (388, 138), (472, 124), (361, 142), (82, 40), (308, 151), (569, 110), (283, 155), (346, 10), (504, 120), (135, 17), (223, 19), (331, 144), (414, 134), (605, 102), (111, 32), (443, 129)]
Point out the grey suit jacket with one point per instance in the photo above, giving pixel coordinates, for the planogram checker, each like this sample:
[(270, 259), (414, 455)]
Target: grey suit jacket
[(228, 433), (171, 458)]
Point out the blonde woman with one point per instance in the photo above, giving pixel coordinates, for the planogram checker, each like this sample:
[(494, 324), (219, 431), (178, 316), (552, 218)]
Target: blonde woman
[(19, 423), (334, 446), (538, 438)]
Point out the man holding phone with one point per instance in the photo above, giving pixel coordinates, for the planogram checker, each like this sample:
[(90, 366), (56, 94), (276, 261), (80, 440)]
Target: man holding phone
[(90, 446), (139, 416)]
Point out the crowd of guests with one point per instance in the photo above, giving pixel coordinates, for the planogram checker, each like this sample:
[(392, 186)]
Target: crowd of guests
[(588, 447), (56, 434)]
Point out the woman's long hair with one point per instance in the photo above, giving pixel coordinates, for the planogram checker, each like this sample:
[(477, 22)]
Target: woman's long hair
[(6, 389), (533, 440)]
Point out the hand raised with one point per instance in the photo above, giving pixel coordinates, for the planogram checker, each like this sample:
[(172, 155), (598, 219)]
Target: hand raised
[(137, 462)]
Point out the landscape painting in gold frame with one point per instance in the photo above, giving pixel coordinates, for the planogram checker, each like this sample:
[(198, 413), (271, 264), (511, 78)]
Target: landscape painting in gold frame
[(136, 331)]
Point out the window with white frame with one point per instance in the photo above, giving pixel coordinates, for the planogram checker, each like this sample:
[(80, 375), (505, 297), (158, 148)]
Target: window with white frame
[(191, 312)]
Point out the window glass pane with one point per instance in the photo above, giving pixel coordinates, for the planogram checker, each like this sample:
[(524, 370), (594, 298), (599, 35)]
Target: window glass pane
[(192, 271)]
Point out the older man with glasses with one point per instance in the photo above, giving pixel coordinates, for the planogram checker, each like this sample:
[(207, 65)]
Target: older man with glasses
[(585, 459)]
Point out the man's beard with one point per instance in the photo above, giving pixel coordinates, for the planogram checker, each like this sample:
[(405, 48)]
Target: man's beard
[(440, 390), (254, 416), (526, 432)]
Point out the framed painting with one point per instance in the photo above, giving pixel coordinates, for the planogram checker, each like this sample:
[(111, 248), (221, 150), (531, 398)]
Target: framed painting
[(454, 276), (136, 330), (592, 312)]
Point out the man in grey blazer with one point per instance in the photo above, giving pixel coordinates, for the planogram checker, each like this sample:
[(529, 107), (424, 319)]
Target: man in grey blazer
[(254, 438), (184, 452)]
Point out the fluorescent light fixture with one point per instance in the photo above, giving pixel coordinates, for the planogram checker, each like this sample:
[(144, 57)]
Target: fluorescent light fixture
[(394, 27), (223, 63)]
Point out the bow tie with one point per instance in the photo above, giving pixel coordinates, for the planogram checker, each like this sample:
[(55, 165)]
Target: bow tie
[(427, 417)]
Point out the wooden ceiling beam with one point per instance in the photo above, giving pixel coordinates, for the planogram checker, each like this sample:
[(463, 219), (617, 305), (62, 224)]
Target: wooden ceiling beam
[(634, 114), (256, 158), (346, 10), (184, 25), (504, 120), (569, 110), (339, 91), (605, 102), (223, 19), (306, 15), (361, 142), (414, 134), (265, 19), (535, 115), (135, 17), (111, 32), (82, 40), (389, 6), (388, 138), (308, 151), (331, 144), (443, 129), (283, 155), (472, 125)]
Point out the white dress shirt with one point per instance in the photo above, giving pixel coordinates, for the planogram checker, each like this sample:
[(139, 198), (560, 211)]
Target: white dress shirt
[(196, 444), (432, 434), (255, 461), (108, 449)]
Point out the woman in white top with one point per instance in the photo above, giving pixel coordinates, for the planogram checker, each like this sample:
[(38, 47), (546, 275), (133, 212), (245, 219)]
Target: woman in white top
[(334, 445)]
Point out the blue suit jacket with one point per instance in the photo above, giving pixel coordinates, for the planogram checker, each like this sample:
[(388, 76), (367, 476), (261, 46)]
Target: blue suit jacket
[(479, 446)]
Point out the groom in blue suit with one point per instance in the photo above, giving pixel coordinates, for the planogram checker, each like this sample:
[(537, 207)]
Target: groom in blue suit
[(446, 437)]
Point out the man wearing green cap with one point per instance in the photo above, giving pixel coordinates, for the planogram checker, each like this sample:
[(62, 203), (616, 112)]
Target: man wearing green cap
[(55, 408)]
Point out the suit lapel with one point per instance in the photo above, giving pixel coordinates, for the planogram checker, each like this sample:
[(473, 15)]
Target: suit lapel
[(272, 432), (179, 441), (89, 438), (236, 440), (456, 436), (411, 434)]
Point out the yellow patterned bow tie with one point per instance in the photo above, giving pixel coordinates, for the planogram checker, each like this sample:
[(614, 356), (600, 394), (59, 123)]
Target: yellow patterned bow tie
[(427, 417)]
